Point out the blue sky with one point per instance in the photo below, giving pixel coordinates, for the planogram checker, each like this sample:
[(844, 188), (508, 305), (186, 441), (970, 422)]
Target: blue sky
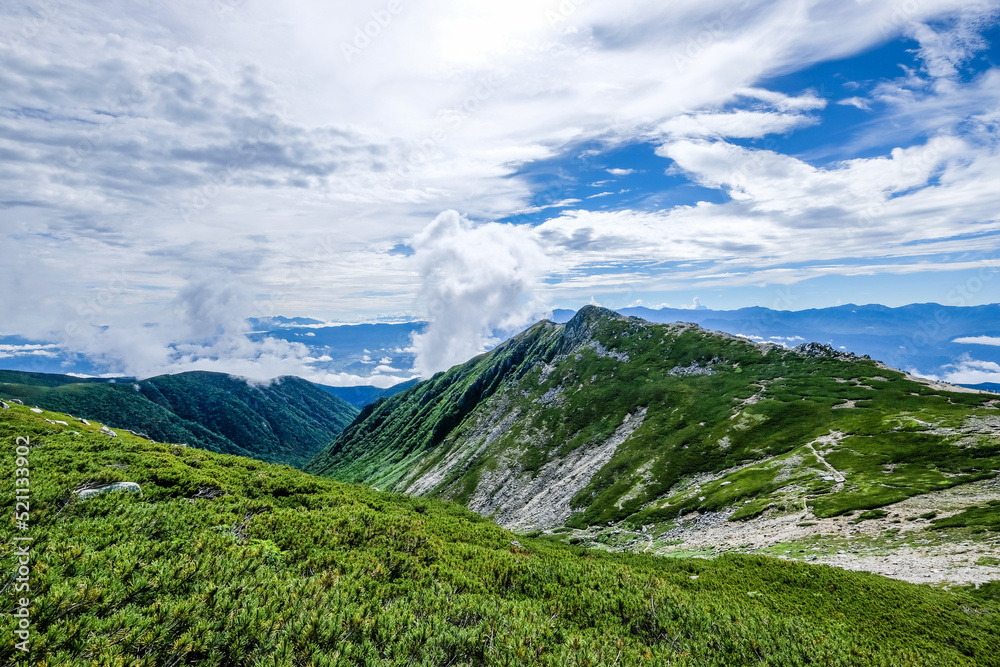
[(168, 170)]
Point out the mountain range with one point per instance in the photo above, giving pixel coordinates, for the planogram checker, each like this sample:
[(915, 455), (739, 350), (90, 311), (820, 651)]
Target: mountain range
[(926, 339), (286, 421)]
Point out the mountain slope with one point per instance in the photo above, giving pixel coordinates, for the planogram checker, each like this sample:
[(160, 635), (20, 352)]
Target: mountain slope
[(286, 421), (614, 419), (222, 561)]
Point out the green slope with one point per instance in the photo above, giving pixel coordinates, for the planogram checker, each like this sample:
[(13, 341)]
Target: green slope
[(225, 561), (613, 419), (286, 421)]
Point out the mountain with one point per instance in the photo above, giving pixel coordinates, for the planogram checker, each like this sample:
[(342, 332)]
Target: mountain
[(286, 421), (985, 386), (219, 560), (611, 419), (925, 337), (361, 396)]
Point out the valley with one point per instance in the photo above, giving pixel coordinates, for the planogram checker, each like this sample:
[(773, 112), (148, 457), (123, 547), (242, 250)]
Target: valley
[(286, 420)]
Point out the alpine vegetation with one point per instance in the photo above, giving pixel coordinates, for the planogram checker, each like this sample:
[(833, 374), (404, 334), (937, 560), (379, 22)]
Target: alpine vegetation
[(224, 561)]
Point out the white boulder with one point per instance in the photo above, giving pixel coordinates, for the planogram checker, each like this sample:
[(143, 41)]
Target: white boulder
[(132, 487)]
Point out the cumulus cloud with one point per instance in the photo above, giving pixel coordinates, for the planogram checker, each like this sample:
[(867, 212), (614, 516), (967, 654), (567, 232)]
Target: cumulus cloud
[(969, 371), (477, 281), (204, 327)]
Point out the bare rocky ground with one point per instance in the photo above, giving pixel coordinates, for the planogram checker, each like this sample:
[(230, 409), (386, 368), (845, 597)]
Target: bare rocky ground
[(897, 546)]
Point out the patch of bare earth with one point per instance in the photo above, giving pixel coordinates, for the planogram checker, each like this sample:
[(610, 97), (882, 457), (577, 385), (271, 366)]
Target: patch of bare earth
[(896, 546)]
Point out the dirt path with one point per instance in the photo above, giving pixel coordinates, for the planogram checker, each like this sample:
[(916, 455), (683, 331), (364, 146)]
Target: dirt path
[(830, 440)]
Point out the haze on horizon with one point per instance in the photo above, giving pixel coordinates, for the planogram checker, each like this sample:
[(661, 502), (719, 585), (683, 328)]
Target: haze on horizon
[(171, 169)]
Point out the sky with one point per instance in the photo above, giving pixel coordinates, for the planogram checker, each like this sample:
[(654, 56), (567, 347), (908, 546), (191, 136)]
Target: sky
[(168, 170)]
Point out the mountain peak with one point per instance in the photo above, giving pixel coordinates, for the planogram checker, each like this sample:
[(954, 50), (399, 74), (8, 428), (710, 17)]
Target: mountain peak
[(581, 326)]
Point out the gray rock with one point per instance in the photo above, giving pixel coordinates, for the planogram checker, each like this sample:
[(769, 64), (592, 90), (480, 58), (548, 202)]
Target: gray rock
[(132, 487), (693, 369)]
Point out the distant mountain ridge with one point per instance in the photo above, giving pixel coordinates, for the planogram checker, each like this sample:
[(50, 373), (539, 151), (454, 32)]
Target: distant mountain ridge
[(985, 386), (360, 396), (918, 337), (610, 418), (285, 421)]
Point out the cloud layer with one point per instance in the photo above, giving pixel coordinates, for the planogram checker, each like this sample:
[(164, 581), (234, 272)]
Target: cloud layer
[(167, 170)]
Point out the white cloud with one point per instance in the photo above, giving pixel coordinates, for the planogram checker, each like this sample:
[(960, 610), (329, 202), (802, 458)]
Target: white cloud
[(978, 340), (775, 182), (694, 305), (620, 172), (944, 51), (970, 371), (475, 280), (563, 203), (807, 101), (161, 141), (8, 351), (738, 124), (857, 102)]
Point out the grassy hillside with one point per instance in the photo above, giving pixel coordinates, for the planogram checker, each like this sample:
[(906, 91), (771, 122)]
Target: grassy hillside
[(223, 560), (287, 421), (644, 422)]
